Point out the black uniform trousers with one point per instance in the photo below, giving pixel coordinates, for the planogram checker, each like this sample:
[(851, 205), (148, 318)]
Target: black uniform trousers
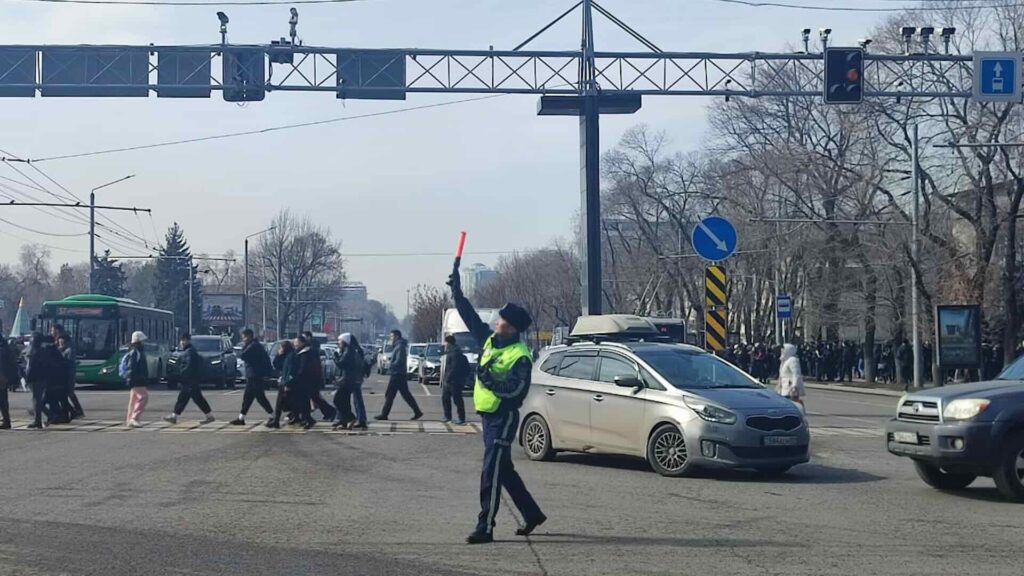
[(254, 390), (191, 391), (499, 431), (399, 384), (73, 404)]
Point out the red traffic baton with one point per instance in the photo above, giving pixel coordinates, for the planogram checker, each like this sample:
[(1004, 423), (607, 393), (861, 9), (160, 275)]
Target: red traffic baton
[(458, 249)]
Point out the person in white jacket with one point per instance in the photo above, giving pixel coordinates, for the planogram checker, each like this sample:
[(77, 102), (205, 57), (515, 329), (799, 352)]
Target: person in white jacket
[(791, 380)]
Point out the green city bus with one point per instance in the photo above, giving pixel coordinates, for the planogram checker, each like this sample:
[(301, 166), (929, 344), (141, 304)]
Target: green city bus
[(101, 328)]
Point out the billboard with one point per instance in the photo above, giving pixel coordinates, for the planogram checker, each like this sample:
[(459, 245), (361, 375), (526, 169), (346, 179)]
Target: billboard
[(222, 309), (958, 334)]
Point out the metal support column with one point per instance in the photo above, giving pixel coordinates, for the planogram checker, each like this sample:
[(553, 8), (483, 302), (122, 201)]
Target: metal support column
[(245, 290), (914, 320), (590, 206), (191, 288), (92, 241)]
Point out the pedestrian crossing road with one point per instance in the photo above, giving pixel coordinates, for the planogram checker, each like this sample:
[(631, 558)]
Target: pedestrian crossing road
[(375, 428)]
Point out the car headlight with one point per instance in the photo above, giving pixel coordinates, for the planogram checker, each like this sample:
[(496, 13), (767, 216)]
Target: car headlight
[(964, 409), (430, 364), (215, 363), (710, 412), (106, 370)]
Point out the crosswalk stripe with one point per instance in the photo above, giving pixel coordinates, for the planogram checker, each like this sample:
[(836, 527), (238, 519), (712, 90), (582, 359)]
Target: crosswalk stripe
[(842, 431), (197, 427)]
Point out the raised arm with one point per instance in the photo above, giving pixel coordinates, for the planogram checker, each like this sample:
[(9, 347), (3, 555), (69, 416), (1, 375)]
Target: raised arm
[(480, 330)]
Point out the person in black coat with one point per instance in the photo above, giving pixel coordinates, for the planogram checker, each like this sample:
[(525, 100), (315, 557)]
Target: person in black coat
[(351, 363), (67, 349), (190, 374), (318, 381), (257, 367), (308, 372), (44, 374), (456, 374), (8, 377), (285, 364)]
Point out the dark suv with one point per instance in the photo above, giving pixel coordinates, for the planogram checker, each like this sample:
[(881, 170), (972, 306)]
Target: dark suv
[(956, 433)]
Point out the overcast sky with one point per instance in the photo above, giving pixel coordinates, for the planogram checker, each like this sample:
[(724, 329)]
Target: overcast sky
[(401, 183)]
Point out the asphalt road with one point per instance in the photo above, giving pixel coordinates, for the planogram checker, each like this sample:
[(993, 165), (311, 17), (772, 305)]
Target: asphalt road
[(113, 502)]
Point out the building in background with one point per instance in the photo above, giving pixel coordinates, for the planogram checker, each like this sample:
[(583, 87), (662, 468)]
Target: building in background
[(354, 312), (475, 277)]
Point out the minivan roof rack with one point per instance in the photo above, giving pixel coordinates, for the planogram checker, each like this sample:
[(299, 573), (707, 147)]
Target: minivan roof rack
[(614, 328)]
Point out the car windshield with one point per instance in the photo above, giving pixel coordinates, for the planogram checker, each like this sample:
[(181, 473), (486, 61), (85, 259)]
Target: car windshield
[(689, 370), (1014, 371), (416, 350), (467, 342), (432, 351), (206, 344)]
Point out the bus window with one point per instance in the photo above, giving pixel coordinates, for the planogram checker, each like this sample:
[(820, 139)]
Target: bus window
[(96, 339)]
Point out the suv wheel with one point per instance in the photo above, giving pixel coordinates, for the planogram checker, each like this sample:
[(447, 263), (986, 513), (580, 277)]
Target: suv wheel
[(1009, 472), (537, 439), (940, 479), (667, 453)]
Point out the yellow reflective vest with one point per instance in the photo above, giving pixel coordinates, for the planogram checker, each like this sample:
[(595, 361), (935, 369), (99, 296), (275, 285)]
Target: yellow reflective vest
[(503, 359)]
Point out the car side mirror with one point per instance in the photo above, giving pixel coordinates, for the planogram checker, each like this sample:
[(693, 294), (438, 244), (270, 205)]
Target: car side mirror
[(629, 382)]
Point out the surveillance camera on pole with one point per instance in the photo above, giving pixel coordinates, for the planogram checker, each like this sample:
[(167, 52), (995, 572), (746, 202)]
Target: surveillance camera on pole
[(908, 37), (805, 36), (947, 36), (223, 27), (293, 23), (864, 43), (926, 37), (824, 33)]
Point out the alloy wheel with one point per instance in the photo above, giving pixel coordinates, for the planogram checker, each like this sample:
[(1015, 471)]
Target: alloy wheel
[(670, 451), (536, 437)]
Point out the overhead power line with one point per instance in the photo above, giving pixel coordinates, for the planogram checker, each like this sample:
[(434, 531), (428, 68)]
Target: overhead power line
[(265, 130), (213, 4), (826, 8)]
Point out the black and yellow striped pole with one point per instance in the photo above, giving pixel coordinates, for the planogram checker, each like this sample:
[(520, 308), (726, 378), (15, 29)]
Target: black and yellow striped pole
[(715, 306)]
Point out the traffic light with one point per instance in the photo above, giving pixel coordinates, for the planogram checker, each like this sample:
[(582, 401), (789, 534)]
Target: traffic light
[(844, 75)]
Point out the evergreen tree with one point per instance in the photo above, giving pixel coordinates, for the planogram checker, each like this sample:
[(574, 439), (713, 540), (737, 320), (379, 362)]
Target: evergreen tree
[(170, 291), (109, 277)]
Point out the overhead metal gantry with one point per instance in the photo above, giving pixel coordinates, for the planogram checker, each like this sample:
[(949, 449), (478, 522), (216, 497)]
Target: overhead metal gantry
[(584, 83)]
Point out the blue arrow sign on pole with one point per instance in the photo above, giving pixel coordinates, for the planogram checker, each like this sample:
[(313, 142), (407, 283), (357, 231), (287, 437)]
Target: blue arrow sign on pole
[(714, 238), (997, 77)]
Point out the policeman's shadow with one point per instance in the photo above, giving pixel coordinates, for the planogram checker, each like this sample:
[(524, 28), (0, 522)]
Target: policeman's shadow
[(676, 542)]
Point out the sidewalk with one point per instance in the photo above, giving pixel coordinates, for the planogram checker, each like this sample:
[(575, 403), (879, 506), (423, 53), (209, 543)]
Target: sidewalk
[(856, 386)]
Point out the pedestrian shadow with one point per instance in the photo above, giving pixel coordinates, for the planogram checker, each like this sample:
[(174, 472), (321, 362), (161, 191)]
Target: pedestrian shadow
[(811, 473), (541, 538)]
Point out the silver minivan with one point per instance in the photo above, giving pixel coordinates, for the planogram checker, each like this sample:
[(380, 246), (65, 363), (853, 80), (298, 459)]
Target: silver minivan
[(678, 406)]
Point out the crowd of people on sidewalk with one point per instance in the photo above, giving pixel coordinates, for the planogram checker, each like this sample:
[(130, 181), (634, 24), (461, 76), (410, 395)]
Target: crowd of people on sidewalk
[(844, 361)]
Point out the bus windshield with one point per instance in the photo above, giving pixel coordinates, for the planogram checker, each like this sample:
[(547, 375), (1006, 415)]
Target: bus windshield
[(93, 339)]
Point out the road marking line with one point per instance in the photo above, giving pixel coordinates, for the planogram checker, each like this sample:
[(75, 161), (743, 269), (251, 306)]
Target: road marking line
[(425, 389)]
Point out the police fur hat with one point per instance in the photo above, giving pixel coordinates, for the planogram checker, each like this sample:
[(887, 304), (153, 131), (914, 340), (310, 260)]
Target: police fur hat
[(517, 316)]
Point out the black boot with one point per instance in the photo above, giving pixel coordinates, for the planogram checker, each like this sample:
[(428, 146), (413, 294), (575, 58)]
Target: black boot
[(480, 538), (530, 526)]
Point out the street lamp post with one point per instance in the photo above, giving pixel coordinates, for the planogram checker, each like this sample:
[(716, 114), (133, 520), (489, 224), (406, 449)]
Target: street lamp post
[(245, 281), (92, 229)]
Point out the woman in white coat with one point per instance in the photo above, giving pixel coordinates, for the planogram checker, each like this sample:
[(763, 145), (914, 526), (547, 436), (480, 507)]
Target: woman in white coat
[(791, 380)]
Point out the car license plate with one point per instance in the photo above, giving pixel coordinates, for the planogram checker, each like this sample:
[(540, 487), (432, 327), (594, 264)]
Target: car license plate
[(905, 437), (780, 440)]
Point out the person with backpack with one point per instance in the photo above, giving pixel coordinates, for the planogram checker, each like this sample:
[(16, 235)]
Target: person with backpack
[(351, 363), (134, 369), (257, 368), (190, 372)]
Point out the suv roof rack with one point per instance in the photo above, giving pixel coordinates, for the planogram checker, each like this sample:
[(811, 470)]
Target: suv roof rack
[(614, 328)]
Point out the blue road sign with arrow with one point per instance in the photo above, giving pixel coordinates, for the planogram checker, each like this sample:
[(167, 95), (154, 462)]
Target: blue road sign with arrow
[(714, 238), (997, 77)]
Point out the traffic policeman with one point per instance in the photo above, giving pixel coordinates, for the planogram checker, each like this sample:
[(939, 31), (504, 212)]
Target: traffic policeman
[(503, 380)]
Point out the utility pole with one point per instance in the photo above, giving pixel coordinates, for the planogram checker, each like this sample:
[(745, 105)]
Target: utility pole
[(280, 332), (245, 281), (92, 228), (778, 275), (915, 307)]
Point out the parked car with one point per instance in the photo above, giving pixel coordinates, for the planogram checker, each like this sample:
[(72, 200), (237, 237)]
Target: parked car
[(384, 359), (220, 364), (956, 433), (413, 364), (327, 352), (241, 363), (430, 364), (615, 391)]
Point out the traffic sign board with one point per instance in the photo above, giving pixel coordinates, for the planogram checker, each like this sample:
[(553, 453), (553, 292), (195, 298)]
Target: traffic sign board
[(997, 76), (714, 238), (784, 306)]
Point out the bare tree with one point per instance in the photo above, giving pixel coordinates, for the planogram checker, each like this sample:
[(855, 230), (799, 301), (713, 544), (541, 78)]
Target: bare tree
[(428, 306)]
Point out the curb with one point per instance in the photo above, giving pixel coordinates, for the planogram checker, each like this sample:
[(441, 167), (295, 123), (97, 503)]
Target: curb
[(855, 390)]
